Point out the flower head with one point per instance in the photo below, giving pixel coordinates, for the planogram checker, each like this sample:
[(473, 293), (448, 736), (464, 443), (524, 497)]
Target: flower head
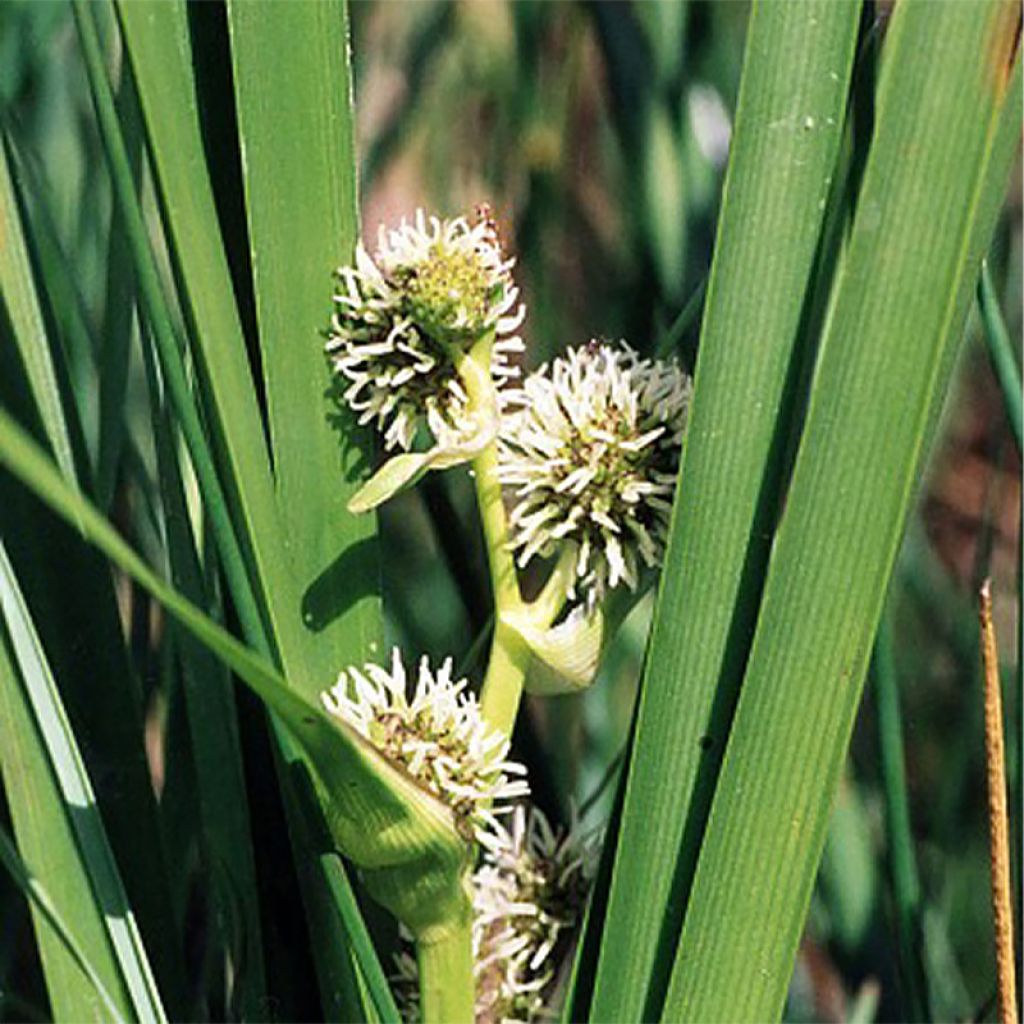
[(590, 447), (529, 896), (437, 735), (529, 893), (402, 319)]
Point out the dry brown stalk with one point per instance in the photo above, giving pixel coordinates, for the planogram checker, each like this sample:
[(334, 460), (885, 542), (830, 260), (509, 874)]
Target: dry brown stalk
[(999, 842)]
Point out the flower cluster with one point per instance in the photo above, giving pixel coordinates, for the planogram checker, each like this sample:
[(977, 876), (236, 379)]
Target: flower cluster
[(529, 894), (590, 447), (403, 317), (437, 735)]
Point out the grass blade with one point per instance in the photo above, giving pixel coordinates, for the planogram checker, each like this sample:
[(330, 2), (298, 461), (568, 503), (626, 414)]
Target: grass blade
[(159, 319), (37, 895), (1000, 352), (293, 95), (158, 44), (45, 837), (790, 113), (947, 126), (906, 886), (156, 36), (213, 728), (27, 462), (26, 318), (79, 801)]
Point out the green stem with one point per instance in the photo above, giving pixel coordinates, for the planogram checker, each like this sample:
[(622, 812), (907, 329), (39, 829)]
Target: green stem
[(506, 673), (510, 657), (447, 993), (905, 883), (1000, 351)]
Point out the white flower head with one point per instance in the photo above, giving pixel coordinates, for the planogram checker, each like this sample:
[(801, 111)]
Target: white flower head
[(437, 735), (590, 448), (529, 893), (402, 318)]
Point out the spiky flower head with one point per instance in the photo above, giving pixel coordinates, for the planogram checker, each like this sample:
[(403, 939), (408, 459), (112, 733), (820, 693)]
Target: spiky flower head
[(529, 893), (437, 735), (590, 448), (529, 896), (403, 317)]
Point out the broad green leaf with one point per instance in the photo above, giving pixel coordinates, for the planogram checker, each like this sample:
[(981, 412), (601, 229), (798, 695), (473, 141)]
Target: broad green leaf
[(946, 131), (296, 134), (79, 803), (43, 905), (786, 136), (403, 838), (46, 840), (21, 301)]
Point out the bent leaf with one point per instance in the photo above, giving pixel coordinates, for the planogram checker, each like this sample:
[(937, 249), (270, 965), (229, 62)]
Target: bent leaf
[(402, 837)]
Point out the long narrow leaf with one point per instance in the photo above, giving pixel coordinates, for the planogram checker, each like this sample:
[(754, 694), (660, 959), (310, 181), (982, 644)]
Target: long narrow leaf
[(19, 296), (46, 839), (213, 726), (158, 46), (375, 812), (79, 801), (293, 96), (947, 125), (1000, 350), (791, 105), (37, 895)]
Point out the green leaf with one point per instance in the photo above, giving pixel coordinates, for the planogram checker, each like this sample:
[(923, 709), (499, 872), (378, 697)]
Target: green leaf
[(398, 474), (1000, 351), (213, 729), (159, 47), (43, 905), (46, 839), (402, 837), (791, 104), (906, 886), (296, 132), (156, 36), (79, 803), (18, 292), (946, 132)]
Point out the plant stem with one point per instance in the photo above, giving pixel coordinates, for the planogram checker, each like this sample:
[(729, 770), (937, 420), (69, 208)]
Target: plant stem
[(506, 673), (906, 886), (445, 960), (1000, 351), (510, 657)]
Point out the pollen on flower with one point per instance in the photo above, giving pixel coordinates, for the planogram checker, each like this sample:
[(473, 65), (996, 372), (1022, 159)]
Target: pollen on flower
[(437, 735), (590, 447), (529, 893), (401, 318)]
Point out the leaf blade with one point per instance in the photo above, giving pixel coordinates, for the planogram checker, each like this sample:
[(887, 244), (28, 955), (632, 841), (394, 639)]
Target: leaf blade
[(949, 97), (293, 96), (768, 230)]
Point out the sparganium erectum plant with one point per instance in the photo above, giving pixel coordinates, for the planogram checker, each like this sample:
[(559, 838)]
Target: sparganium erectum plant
[(577, 465), (186, 424)]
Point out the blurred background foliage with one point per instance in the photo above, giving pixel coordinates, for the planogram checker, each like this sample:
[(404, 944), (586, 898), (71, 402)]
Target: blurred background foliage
[(599, 133)]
